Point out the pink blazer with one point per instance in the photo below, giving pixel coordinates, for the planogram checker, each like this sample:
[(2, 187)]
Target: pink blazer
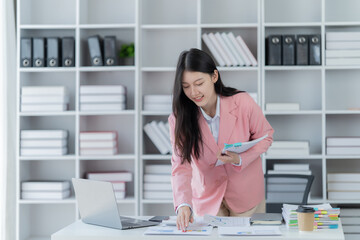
[(205, 186)]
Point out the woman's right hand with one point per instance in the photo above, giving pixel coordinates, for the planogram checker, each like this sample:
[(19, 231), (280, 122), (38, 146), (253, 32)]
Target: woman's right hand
[(184, 216)]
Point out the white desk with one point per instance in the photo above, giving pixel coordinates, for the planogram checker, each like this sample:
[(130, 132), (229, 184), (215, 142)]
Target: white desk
[(82, 231)]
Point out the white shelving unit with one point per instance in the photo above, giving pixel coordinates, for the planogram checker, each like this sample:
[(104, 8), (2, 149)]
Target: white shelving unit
[(161, 29)]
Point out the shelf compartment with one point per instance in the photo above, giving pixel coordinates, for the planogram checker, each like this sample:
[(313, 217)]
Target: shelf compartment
[(107, 12), (344, 11), (124, 125), (162, 47), (243, 80), (123, 36), (124, 78), (168, 12), (229, 11), (148, 145), (47, 11), (292, 11), (342, 125), (303, 87)]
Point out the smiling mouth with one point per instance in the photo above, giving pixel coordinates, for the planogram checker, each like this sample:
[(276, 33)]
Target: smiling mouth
[(198, 99)]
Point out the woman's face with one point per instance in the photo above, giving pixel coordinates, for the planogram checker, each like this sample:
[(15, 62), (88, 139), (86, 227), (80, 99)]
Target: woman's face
[(200, 87)]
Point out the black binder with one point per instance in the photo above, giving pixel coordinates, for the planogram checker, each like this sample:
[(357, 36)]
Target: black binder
[(302, 49), (95, 50), (68, 52), (26, 52), (314, 49), (273, 50), (53, 52), (38, 52), (288, 50), (110, 51)]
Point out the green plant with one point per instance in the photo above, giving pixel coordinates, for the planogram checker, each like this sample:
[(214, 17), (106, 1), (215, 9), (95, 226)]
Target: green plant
[(127, 50)]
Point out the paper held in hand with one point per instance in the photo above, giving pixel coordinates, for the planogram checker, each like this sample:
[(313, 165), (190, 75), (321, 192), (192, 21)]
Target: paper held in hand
[(239, 147)]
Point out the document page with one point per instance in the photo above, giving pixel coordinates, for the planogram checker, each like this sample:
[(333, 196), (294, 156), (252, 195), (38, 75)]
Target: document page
[(227, 221), (172, 230), (250, 231)]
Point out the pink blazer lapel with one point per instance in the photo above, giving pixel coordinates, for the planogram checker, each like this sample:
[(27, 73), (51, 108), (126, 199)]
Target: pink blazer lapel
[(207, 137), (227, 120)]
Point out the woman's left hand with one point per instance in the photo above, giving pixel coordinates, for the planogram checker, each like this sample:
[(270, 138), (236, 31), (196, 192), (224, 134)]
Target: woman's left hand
[(229, 157)]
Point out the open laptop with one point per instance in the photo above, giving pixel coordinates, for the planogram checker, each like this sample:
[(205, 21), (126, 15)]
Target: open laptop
[(97, 205)]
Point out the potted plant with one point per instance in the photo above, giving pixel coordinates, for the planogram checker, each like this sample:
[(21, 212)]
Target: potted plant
[(127, 54)]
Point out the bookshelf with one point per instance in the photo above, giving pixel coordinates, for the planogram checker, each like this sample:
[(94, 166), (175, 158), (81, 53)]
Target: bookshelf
[(161, 29)]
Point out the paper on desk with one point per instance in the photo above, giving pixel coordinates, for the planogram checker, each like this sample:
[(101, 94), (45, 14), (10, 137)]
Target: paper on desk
[(250, 231), (172, 230), (239, 147), (227, 221), (198, 222)]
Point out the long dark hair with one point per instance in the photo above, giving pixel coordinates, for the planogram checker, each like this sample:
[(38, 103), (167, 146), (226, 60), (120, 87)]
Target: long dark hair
[(188, 139)]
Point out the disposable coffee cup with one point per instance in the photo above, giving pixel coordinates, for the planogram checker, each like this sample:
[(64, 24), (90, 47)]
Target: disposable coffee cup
[(306, 218)]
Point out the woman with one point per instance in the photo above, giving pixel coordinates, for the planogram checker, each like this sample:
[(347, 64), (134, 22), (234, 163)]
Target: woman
[(206, 114)]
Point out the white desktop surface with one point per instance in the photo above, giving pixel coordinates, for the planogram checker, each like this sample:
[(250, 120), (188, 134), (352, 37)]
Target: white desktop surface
[(82, 231)]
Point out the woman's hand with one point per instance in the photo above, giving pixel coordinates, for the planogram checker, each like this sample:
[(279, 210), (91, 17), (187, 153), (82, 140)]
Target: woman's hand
[(183, 218), (229, 157)]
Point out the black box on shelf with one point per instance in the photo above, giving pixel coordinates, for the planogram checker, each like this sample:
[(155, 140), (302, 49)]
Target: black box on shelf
[(315, 49), (288, 50), (26, 52), (38, 52), (302, 50), (95, 50), (53, 52), (273, 50), (68, 51), (110, 51)]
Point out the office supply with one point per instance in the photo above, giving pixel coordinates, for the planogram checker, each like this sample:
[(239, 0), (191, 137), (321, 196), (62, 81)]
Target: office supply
[(98, 136), (98, 151), (239, 49), (45, 185), (43, 134), (102, 89), (110, 51), (102, 107), (68, 51), (97, 205), (220, 49), (273, 50), (288, 50), (95, 50), (157, 178), (220, 61), (155, 139), (250, 231), (343, 36), (45, 194), (227, 221), (119, 98), (158, 169), (343, 45), (121, 176), (43, 107), (343, 150), (98, 144), (38, 52), (247, 51), (44, 90), (53, 58), (226, 49), (43, 151), (231, 47), (302, 50), (26, 53), (266, 219), (37, 99), (291, 166), (43, 143), (342, 141), (315, 49), (169, 230)]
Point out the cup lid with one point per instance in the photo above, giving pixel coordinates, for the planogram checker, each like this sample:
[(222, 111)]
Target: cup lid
[(303, 209)]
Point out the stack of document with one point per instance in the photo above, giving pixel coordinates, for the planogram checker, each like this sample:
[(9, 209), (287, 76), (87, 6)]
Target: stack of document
[(157, 183), (159, 134), (343, 145), (159, 103), (289, 148), (44, 99), (102, 97), (43, 142), (45, 190), (343, 186), (342, 48), (326, 217), (118, 179), (98, 143), (229, 50), (288, 190), (282, 106), (350, 220)]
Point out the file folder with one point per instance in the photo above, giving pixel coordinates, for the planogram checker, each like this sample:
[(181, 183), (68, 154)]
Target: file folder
[(53, 52), (26, 52), (38, 52), (315, 49), (273, 43), (95, 50), (68, 52), (288, 52), (110, 51), (302, 49)]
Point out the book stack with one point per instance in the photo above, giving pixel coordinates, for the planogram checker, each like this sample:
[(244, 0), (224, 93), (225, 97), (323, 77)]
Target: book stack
[(159, 134), (98, 143), (44, 99), (343, 186), (350, 220), (282, 107), (342, 48), (290, 190), (160, 103), (289, 148), (343, 145), (43, 142), (229, 50), (102, 97), (45, 190), (326, 217), (118, 179), (157, 181)]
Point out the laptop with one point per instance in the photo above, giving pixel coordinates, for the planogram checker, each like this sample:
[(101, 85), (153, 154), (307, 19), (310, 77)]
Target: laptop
[(97, 205)]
